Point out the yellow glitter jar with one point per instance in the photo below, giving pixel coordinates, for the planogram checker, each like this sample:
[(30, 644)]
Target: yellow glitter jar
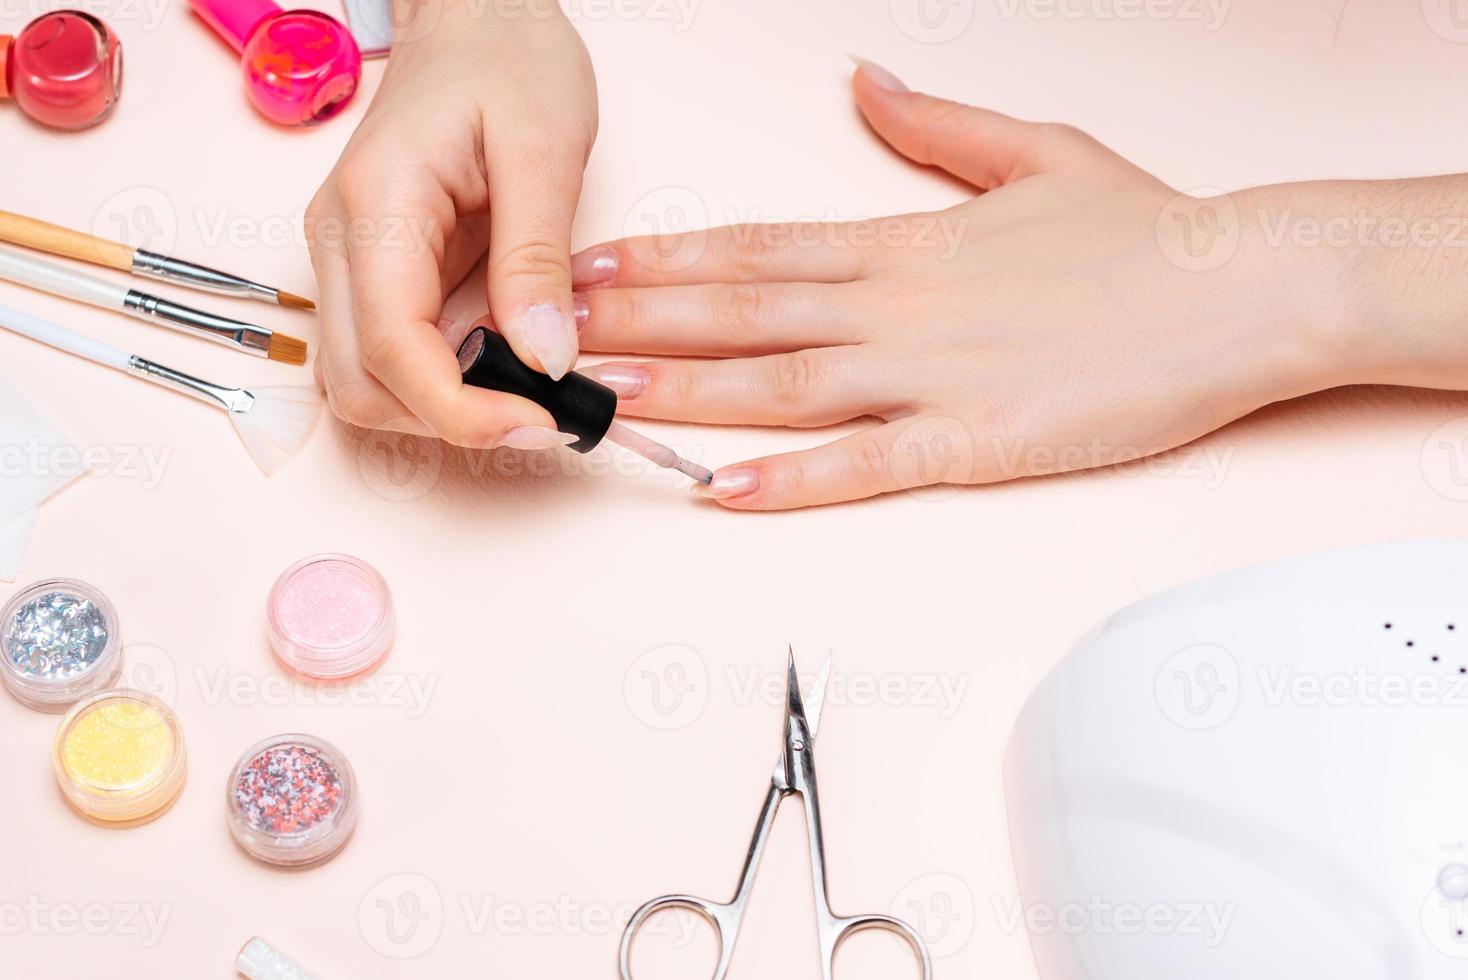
[(119, 756)]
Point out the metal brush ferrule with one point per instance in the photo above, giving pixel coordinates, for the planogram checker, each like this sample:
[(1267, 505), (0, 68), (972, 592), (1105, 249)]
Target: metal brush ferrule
[(220, 329), (156, 266), (229, 399)]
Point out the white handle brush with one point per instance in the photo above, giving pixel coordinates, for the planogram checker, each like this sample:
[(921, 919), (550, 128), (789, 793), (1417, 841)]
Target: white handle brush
[(273, 422), (52, 277)]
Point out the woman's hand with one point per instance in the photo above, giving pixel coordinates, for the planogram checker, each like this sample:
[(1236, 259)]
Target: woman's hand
[(1063, 318), (476, 139)]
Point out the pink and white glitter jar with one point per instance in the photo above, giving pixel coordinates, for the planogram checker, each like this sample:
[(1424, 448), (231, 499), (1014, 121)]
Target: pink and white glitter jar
[(330, 617), (292, 800)]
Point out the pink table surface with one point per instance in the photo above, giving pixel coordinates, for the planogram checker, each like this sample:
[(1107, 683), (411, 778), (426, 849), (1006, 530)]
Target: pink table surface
[(581, 707)]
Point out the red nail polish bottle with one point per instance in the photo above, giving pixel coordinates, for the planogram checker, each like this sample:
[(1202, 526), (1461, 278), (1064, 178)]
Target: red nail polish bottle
[(64, 69)]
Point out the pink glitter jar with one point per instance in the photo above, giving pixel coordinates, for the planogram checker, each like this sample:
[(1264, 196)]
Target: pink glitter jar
[(330, 616)]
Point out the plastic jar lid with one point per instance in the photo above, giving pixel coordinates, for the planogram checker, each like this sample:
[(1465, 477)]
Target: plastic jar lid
[(330, 616), (292, 800), (119, 756), (60, 641)]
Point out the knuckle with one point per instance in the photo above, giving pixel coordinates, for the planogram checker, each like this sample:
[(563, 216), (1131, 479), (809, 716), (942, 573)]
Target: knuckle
[(536, 257), (869, 460), (794, 377), (748, 254), (380, 351), (739, 308), (1060, 135)]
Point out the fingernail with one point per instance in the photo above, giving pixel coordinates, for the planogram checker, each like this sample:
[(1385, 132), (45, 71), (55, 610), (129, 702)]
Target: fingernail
[(881, 77), (730, 483), (536, 437), (551, 337), (581, 310), (594, 266), (627, 380)]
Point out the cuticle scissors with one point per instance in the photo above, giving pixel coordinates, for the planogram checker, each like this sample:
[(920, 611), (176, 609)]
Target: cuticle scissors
[(794, 775)]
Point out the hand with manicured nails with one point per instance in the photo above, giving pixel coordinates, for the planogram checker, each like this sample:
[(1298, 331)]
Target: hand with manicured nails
[(1068, 316), (476, 140)]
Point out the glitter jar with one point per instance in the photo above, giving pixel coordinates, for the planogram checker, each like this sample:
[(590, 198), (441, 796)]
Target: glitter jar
[(120, 756), (59, 641), (330, 616), (292, 800)]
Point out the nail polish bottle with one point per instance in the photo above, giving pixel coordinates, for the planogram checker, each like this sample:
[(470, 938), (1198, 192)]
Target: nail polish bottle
[(63, 69), (301, 66)]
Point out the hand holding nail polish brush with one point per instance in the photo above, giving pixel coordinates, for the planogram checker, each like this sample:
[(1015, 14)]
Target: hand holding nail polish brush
[(580, 406)]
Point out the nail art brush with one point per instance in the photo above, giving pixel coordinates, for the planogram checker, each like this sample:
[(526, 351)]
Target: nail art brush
[(51, 277), (46, 237), (580, 406), (273, 422)]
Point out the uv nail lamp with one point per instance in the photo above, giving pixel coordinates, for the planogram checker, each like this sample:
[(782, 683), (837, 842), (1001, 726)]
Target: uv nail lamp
[(1261, 776)]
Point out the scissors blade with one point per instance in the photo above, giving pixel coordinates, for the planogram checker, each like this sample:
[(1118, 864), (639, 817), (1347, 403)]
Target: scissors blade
[(796, 706)]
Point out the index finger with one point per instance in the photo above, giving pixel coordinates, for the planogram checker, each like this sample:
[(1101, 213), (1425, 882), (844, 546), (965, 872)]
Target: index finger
[(397, 296)]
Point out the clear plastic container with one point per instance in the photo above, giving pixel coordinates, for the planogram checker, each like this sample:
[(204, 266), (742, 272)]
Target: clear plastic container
[(330, 616), (120, 757), (292, 800), (60, 640)]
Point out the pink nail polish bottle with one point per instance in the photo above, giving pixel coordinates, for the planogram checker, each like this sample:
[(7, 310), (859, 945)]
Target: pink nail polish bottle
[(64, 69), (301, 66)]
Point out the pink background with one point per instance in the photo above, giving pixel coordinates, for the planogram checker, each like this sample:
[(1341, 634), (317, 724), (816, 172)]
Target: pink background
[(546, 774)]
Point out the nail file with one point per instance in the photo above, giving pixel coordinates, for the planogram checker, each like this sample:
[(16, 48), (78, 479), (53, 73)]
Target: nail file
[(370, 22), (36, 457)]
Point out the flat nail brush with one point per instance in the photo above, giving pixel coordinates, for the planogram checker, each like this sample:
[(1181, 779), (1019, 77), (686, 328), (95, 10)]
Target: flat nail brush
[(273, 422), (46, 237), (580, 406), (54, 278)]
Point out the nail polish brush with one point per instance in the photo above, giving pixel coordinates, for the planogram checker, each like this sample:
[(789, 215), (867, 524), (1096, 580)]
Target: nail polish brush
[(580, 406), (52, 277), (46, 237)]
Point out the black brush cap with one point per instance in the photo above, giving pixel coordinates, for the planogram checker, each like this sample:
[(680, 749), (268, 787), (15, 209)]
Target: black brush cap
[(579, 405)]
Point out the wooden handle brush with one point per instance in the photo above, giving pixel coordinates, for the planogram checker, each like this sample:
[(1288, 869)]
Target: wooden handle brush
[(62, 280), (46, 237)]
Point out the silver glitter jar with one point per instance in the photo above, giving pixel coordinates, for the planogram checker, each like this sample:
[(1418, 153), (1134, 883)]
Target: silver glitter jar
[(59, 641)]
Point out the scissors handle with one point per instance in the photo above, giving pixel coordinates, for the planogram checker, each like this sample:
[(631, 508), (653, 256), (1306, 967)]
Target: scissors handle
[(724, 917), (838, 928)]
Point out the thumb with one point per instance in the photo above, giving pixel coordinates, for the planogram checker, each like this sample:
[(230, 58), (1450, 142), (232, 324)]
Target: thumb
[(988, 149), (532, 204)]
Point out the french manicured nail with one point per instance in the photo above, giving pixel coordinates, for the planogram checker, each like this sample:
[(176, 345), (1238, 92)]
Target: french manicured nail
[(594, 266), (880, 76), (551, 337), (627, 380), (581, 310), (730, 483), (536, 437)]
